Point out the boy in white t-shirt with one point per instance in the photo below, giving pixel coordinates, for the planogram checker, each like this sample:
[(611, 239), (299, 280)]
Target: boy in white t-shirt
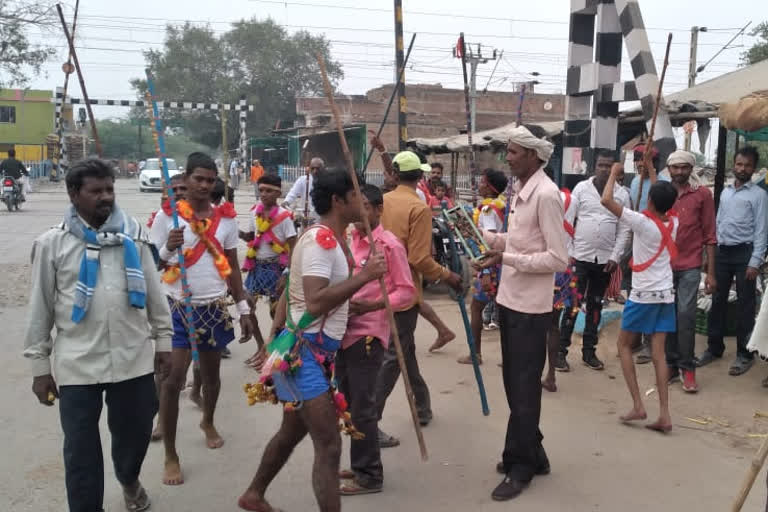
[(208, 236), (320, 285), (489, 216), (271, 236), (651, 306)]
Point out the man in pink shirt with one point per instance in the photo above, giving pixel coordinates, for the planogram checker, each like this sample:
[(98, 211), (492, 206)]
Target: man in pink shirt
[(531, 251), (365, 342)]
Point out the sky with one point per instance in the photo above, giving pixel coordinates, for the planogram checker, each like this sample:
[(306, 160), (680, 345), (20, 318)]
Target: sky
[(533, 37)]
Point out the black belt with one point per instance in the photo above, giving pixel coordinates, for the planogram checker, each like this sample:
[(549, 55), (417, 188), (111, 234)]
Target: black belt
[(737, 246)]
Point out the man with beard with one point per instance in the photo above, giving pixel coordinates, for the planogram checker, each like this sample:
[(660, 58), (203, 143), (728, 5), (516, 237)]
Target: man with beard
[(695, 208), (530, 252), (599, 240), (94, 279), (742, 228)]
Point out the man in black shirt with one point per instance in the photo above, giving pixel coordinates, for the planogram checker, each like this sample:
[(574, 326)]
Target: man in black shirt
[(12, 167)]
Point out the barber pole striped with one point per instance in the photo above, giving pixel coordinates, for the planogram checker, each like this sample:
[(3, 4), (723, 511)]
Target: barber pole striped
[(594, 86), (243, 140), (242, 106)]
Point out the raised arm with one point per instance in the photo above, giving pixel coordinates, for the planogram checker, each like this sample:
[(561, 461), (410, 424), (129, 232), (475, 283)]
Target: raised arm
[(607, 200)]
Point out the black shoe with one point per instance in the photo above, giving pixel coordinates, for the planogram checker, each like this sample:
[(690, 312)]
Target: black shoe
[(226, 353), (705, 358), (543, 468), (508, 489), (386, 440), (425, 418), (561, 364), (591, 361), (674, 375)]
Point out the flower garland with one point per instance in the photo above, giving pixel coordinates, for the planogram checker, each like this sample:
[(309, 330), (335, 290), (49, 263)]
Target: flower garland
[(265, 235), (201, 228), (497, 204)]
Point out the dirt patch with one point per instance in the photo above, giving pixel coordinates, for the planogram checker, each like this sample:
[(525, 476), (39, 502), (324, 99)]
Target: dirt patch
[(15, 288)]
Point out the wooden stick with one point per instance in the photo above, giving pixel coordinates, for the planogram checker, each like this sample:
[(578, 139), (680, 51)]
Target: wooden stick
[(71, 42), (382, 284), (657, 104), (305, 220), (757, 464)]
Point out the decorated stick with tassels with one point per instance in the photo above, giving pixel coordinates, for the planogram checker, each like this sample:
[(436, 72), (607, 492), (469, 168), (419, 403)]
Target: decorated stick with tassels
[(159, 139), (385, 295)]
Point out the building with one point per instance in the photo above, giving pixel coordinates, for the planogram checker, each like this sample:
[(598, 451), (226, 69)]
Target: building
[(26, 121), (433, 111)]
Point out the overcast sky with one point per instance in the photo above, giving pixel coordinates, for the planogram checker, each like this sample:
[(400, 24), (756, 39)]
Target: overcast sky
[(112, 34)]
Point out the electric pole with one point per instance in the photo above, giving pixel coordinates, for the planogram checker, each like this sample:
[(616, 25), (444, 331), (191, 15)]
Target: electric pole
[(402, 123), (692, 71), (475, 58)]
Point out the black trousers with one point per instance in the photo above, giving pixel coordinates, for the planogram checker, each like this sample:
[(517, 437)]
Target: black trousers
[(592, 283), (732, 261), (357, 370), (131, 408), (523, 353), (390, 370)]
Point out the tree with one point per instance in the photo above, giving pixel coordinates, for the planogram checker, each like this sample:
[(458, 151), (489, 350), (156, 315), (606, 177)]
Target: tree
[(19, 58), (120, 139), (759, 50), (258, 59)]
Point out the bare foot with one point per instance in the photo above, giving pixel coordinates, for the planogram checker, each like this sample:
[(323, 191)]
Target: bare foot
[(212, 437), (157, 434), (661, 425), (468, 359), (443, 338), (196, 399), (255, 503), (549, 384), (172, 474), (634, 415)]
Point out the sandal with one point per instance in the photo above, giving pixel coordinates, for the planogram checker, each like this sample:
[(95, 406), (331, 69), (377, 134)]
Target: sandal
[(138, 502), (353, 488), (346, 474)]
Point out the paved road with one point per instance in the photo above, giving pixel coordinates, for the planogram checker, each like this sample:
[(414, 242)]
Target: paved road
[(596, 463)]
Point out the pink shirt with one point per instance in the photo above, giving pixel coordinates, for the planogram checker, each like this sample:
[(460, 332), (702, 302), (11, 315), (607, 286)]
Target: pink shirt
[(534, 246), (399, 283)]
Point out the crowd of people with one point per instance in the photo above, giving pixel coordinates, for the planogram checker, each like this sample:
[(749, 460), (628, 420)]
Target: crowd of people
[(135, 306)]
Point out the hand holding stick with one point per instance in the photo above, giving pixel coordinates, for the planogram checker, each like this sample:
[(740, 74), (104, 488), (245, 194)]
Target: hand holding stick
[(366, 224)]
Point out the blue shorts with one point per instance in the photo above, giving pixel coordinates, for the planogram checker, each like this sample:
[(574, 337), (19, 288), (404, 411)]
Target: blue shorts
[(480, 295), (213, 324), (262, 280), (310, 379), (649, 318)]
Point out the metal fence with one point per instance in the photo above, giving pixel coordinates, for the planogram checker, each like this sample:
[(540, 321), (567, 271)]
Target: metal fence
[(290, 174)]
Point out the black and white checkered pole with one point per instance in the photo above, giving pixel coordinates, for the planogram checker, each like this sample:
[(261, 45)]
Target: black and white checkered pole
[(242, 105)]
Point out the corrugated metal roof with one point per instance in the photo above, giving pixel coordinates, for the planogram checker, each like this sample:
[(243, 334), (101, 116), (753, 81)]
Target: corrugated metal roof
[(726, 88)]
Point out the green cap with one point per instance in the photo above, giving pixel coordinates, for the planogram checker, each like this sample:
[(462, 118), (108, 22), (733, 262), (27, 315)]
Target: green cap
[(407, 161), (426, 168)]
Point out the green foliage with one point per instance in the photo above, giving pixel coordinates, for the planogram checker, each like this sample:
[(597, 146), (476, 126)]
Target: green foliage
[(120, 140), (759, 51), (19, 58), (258, 59)]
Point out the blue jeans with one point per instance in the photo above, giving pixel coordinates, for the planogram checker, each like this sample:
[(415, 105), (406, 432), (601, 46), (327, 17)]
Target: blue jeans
[(131, 407), (680, 344)]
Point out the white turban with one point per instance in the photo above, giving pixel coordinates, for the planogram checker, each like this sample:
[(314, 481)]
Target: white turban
[(523, 137), (680, 157)]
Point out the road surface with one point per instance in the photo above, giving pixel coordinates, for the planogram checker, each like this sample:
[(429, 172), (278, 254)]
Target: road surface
[(597, 464)]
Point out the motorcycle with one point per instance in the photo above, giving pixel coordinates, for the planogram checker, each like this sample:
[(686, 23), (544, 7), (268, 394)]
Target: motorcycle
[(11, 193)]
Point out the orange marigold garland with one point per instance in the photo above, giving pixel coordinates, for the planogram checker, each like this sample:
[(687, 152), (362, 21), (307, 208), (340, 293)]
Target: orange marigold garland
[(201, 227)]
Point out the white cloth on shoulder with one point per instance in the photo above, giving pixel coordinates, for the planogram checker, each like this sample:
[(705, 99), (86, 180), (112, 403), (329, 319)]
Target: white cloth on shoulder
[(758, 341)]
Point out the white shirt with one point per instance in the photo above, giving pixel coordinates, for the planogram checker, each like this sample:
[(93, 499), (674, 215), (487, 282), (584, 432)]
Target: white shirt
[(421, 194), (654, 284), (599, 236), (310, 259), (298, 191), (113, 343), (283, 231), (205, 283), (489, 220)]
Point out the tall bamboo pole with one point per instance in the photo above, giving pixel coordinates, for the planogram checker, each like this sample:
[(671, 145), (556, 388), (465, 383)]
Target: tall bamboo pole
[(369, 234)]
